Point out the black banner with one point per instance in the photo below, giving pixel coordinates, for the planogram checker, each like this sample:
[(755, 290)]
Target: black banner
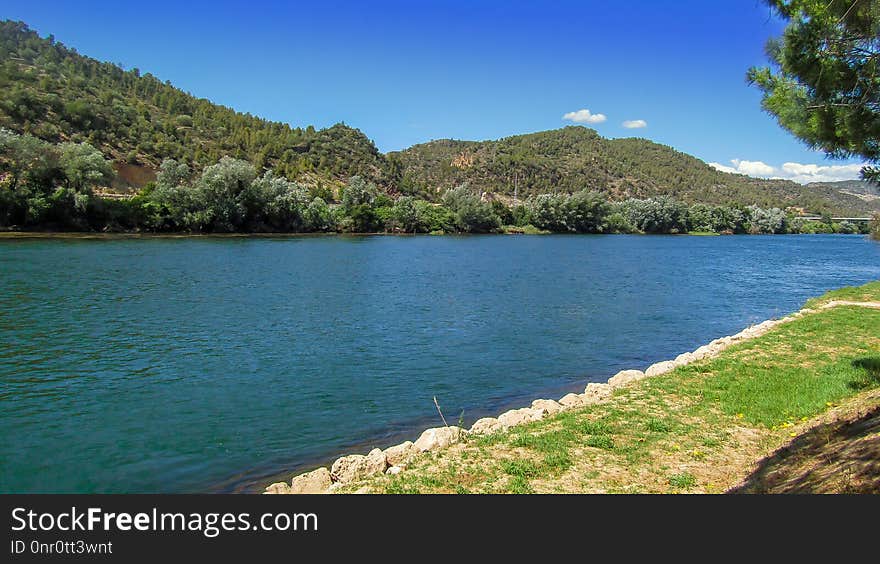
[(126, 528)]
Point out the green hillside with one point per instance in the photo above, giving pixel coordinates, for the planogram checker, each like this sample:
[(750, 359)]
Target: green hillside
[(56, 94), (575, 158)]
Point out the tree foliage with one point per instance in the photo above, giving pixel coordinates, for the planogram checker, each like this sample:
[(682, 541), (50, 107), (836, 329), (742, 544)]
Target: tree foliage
[(52, 92), (824, 84)]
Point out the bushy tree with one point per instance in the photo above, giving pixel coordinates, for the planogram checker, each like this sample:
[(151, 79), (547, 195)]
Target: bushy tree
[(824, 85), (318, 216), (657, 215), (471, 214), (275, 203), (549, 212), (223, 191), (588, 212), (83, 166), (767, 221), (358, 205), (874, 226), (405, 215)]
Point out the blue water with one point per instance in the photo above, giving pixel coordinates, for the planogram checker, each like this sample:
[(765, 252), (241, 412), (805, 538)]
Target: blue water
[(205, 364)]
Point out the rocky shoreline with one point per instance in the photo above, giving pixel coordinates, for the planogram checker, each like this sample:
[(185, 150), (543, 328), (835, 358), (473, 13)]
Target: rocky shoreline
[(350, 469)]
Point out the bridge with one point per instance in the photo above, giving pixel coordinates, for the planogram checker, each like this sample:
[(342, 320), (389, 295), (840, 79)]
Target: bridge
[(850, 219)]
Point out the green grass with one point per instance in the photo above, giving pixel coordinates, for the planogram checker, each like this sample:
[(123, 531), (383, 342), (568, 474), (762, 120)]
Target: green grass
[(866, 293), (703, 233), (682, 481), (658, 426), (771, 389)]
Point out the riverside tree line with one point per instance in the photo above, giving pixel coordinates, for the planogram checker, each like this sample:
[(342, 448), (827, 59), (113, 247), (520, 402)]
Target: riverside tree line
[(52, 185)]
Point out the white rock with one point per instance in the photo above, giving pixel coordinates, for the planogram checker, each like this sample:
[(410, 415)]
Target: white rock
[(660, 368), (400, 454), (437, 438), (624, 377), (357, 466), (316, 481), (549, 406), (516, 417), (278, 488), (485, 426), (684, 359), (571, 400), (394, 470), (596, 392), (376, 463)]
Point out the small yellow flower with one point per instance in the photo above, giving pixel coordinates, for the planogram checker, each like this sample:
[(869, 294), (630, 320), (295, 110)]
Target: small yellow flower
[(740, 415), (792, 434)]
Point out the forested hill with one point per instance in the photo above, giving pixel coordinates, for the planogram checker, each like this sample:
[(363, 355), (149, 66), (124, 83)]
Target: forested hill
[(54, 93), (576, 157)]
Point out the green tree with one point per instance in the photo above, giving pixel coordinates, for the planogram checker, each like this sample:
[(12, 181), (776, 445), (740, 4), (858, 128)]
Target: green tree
[(223, 192), (358, 205), (824, 84), (83, 166), (471, 214)]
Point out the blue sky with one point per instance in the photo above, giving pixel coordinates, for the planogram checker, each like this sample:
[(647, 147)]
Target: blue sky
[(408, 72)]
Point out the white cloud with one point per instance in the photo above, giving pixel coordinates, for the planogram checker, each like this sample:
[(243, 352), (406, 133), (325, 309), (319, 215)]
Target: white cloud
[(802, 173), (635, 124), (753, 168), (584, 116)]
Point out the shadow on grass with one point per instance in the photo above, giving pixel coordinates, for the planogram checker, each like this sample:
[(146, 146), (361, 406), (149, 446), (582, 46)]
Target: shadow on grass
[(871, 367), (838, 457)]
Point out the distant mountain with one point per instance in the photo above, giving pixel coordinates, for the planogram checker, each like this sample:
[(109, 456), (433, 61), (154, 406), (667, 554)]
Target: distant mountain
[(847, 189), (575, 157)]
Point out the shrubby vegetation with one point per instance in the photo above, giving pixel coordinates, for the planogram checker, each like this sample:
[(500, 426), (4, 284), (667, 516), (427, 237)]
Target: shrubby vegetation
[(875, 226), (54, 93), (53, 186)]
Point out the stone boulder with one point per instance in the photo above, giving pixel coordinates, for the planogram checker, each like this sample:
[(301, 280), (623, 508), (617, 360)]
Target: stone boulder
[(684, 359), (486, 426), (704, 352), (400, 454), (278, 488), (624, 377), (356, 467), (438, 437), (660, 368), (516, 417), (394, 470), (549, 406), (569, 401), (594, 392), (314, 482)]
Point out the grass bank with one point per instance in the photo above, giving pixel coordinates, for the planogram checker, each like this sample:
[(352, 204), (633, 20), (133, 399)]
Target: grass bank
[(709, 426)]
